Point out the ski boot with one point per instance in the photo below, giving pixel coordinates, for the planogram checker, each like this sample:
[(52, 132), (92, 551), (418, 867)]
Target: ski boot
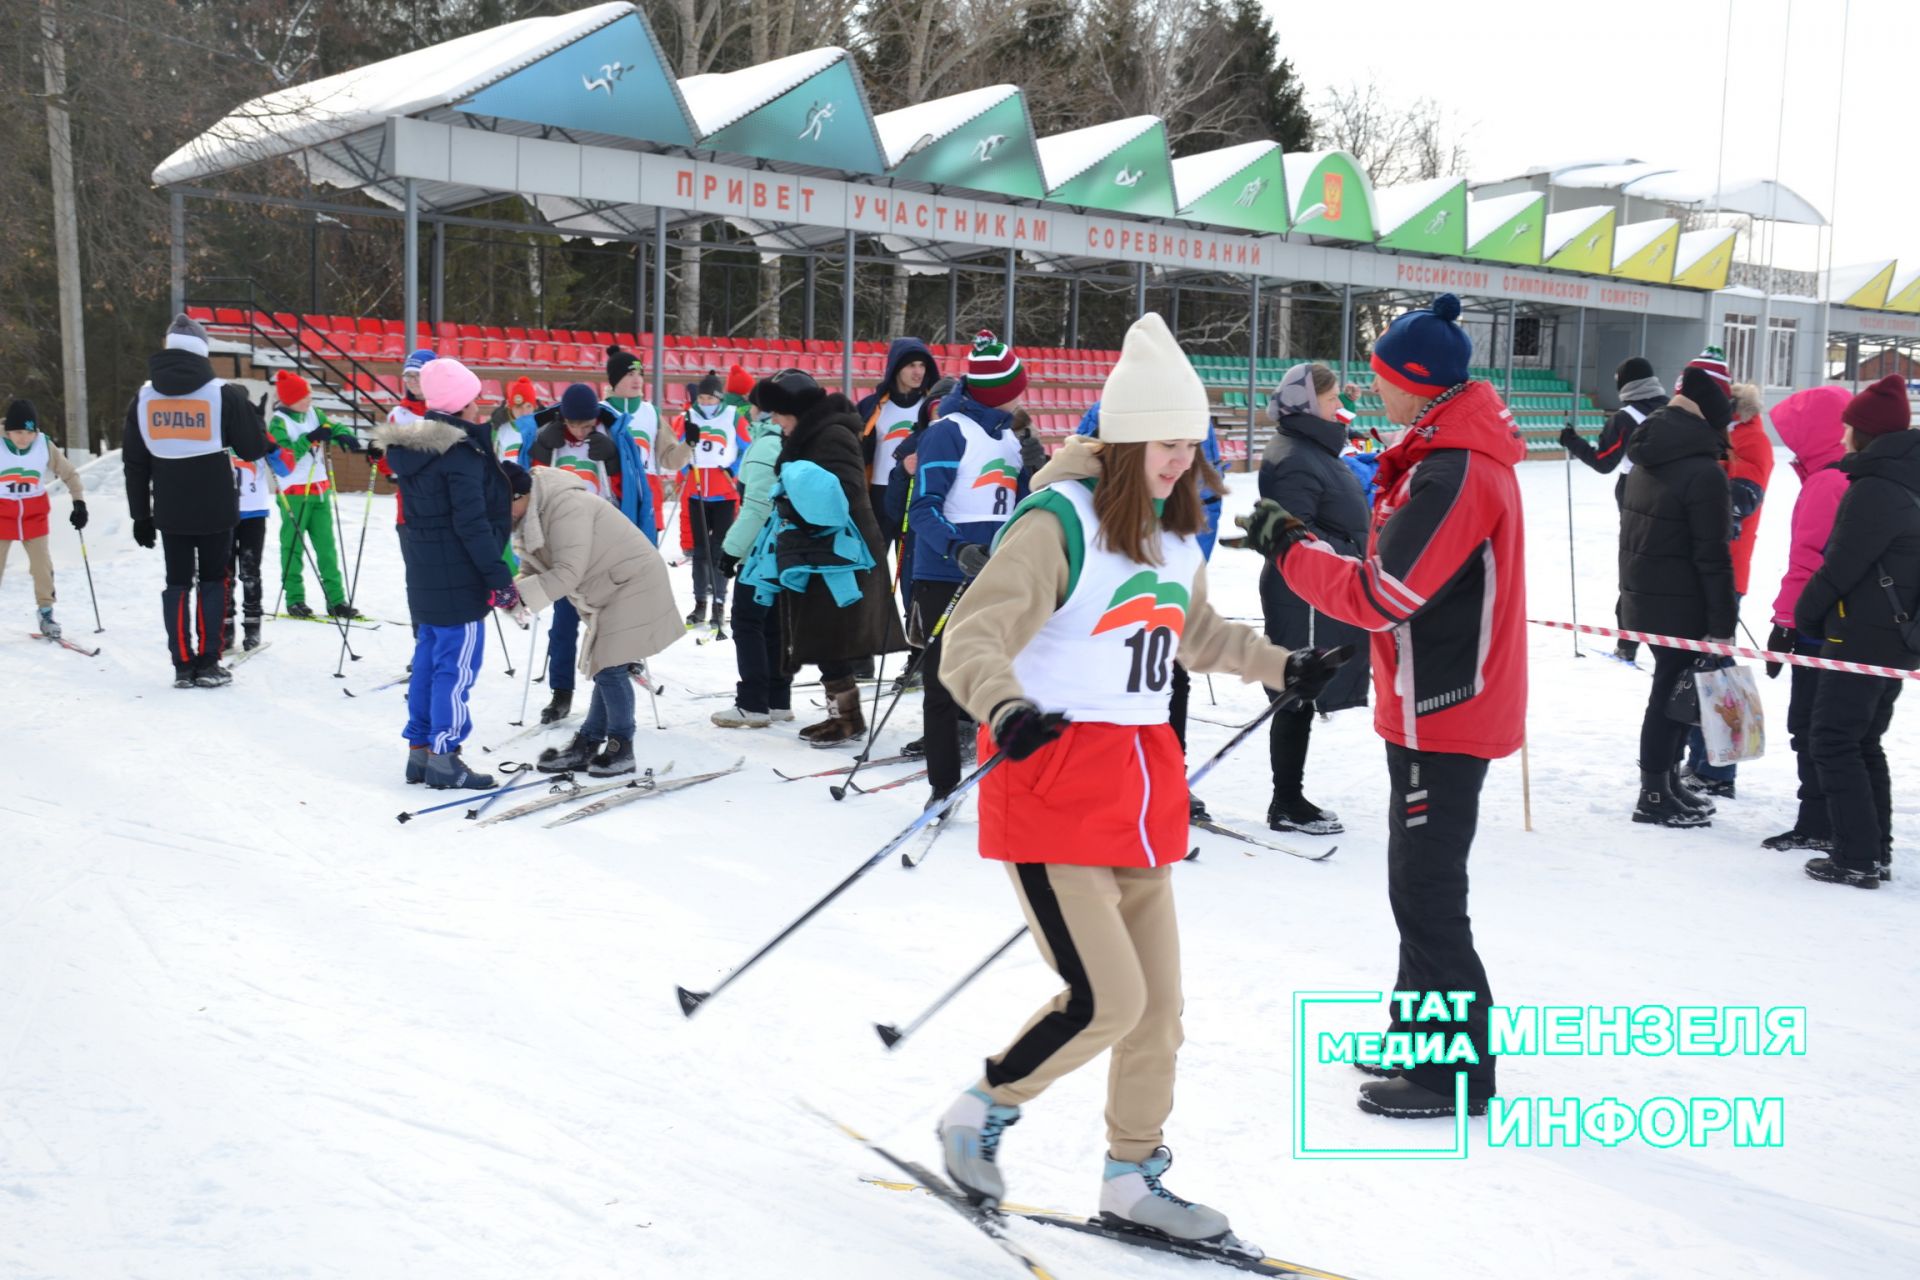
[(735, 717), (558, 707), (448, 771), (917, 748), (1798, 839), (182, 676), (1832, 872), (417, 762), (568, 759), (299, 609), (48, 627), (250, 635), (229, 637), (719, 615), (697, 614), (1133, 1199), (970, 1145), (1659, 807), (1197, 809), (1402, 1099), (212, 675), (1304, 816), (613, 760), (345, 609)]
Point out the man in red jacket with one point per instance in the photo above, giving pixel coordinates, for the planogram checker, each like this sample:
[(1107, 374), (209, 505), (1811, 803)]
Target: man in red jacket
[(1442, 589)]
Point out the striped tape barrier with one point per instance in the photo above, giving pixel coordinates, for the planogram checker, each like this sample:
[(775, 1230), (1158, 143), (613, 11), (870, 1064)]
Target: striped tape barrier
[(1735, 650)]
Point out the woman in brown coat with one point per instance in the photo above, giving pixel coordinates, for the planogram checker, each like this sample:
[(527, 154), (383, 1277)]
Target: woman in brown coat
[(574, 544)]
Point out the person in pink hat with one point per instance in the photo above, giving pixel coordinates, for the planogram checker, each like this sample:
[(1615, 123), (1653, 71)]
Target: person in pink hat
[(458, 498)]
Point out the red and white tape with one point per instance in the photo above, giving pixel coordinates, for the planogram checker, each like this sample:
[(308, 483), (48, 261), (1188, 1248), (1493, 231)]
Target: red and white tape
[(1738, 651)]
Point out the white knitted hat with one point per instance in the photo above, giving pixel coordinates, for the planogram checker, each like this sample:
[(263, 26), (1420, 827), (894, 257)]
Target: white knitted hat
[(1153, 392)]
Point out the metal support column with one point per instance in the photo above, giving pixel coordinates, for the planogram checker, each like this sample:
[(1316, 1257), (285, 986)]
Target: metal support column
[(177, 250), (1006, 314), (1643, 334), (1073, 313), (660, 310), (846, 324), (437, 296), (1579, 367), (1139, 290), (639, 287), (806, 309), (1346, 331), (1173, 312), (1253, 366), (1512, 309), (410, 270), (953, 305)]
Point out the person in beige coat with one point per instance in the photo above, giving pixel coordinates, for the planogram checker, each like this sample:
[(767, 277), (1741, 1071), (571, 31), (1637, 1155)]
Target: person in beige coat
[(573, 544)]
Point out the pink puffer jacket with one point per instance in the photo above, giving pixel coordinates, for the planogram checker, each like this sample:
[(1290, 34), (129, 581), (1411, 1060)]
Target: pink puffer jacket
[(1809, 424)]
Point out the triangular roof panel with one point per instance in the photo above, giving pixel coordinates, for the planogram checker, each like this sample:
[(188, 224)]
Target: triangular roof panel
[(1331, 196), (1507, 228), (1645, 250), (613, 81), (1703, 259), (1121, 165), (1580, 240), (1865, 284), (1425, 217), (809, 109), (981, 140), (1904, 295), (1243, 186)]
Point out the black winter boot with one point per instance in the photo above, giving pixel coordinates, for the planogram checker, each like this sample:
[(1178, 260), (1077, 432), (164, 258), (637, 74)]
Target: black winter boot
[(845, 722), (345, 609), (450, 772), (1832, 872), (568, 759), (1402, 1099), (1658, 806), (299, 609), (615, 759), (1797, 839), (559, 707), (250, 634), (1689, 794)]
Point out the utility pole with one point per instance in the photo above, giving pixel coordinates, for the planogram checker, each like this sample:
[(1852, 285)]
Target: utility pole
[(66, 230)]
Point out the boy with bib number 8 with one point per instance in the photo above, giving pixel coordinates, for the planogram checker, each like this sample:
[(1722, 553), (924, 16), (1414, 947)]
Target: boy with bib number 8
[(1063, 648)]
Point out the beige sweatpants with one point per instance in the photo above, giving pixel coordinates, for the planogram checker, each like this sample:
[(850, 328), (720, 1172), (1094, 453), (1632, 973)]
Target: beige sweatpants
[(1110, 933), (39, 564)]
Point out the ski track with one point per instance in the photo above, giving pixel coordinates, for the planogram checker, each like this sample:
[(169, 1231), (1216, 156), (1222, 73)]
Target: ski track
[(253, 1027)]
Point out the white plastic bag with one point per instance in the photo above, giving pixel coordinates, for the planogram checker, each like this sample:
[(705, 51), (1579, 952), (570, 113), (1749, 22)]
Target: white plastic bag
[(1731, 720)]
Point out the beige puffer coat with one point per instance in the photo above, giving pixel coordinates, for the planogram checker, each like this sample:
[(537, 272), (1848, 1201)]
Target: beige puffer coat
[(575, 544)]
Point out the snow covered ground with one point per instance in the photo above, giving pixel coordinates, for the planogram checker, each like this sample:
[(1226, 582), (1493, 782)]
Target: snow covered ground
[(250, 1026)]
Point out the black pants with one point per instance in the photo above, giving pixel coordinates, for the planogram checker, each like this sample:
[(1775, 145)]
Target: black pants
[(1431, 817), (243, 567), (763, 684), (195, 627), (1177, 704), (1850, 715), (711, 520), (942, 713), (1812, 819), (1662, 738), (1287, 740)]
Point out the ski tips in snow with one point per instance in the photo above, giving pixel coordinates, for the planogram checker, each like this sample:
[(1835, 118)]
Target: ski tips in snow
[(690, 1000)]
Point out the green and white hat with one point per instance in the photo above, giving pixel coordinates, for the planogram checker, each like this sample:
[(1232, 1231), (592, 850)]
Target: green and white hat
[(994, 372)]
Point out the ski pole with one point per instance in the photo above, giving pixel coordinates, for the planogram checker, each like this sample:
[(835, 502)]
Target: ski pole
[(1211, 700), (366, 517), (501, 631), (690, 1001), (526, 681), (287, 556), (339, 529), (653, 697), (411, 814), (1573, 574), (1286, 699), (98, 627), (891, 1035), (840, 791)]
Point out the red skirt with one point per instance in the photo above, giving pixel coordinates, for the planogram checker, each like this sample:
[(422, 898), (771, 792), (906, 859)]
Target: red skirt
[(1101, 795)]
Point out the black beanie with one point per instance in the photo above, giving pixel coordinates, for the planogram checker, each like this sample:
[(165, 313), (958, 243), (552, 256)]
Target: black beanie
[(1632, 369), (1699, 386), (788, 391), (21, 416), (710, 385), (619, 361), (519, 479)]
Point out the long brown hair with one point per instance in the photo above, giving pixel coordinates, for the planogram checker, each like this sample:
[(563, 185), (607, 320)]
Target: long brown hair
[(1124, 502)]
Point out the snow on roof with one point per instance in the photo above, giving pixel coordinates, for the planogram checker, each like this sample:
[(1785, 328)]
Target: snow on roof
[(1757, 197), (1696, 245), (1194, 176), (289, 120), (1557, 171), (1844, 282), (902, 131), (1631, 237), (1065, 156), (1606, 177), (1564, 227), (721, 98), (1484, 217), (1394, 206)]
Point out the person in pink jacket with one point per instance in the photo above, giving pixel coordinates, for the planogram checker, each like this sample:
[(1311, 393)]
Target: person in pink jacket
[(1809, 424)]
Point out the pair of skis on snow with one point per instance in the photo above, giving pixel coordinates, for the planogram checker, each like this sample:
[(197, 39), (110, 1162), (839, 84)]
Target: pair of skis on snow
[(877, 763), (602, 797), (64, 643)]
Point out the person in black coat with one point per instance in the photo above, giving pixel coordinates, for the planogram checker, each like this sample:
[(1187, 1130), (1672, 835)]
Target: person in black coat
[(824, 429), (1302, 471), (1641, 396), (1676, 569), (458, 499), (173, 451), (1868, 582), (892, 513)]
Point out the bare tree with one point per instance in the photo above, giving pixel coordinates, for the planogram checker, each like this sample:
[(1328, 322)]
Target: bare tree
[(1394, 142)]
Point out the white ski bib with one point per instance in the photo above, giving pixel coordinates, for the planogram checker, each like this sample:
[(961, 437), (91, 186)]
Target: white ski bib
[(642, 422), (986, 488), (309, 468), (250, 482), (718, 443), (182, 426), (24, 475), (572, 458), (1107, 652), (891, 428)]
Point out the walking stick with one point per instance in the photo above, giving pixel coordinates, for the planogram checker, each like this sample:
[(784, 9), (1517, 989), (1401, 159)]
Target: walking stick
[(98, 627)]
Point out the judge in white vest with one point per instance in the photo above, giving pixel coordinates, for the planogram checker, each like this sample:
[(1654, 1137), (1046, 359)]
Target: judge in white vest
[(1063, 648), (180, 485)]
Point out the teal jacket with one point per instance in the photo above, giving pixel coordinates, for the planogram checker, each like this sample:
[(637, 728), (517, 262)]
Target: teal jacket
[(756, 488), (811, 534)]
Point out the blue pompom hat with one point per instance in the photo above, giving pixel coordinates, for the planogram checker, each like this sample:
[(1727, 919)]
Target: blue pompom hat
[(419, 360), (1425, 352)]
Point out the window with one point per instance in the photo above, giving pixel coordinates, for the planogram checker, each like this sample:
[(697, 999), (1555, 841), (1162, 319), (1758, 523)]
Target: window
[(1780, 338), (1739, 346), (1526, 336), (1742, 343)]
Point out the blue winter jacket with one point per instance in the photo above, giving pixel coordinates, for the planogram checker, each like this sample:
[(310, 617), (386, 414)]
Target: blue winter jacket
[(459, 516), (811, 534), (1090, 425), (942, 445), (636, 494)]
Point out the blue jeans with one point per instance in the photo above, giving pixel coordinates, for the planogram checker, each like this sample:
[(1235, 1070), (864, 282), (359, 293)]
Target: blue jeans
[(563, 644), (610, 714), (446, 660)]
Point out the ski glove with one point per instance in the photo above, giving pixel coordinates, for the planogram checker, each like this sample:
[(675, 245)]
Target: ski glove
[(143, 533), (972, 558), (1020, 728), (507, 597), (1033, 454), (1270, 530), (79, 516), (319, 436), (1571, 440), (726, 564), (1714, 661), (1309, 671), (690, 432), (1780, 640)]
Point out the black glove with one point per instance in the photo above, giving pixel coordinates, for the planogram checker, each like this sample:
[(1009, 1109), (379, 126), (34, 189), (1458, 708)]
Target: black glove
[(690, 431), (375, 452), (319, 436), (1310, 670), (1714, 661), (79, 516), (143, 532), (1746, 497), (1020, 728), (1270, 529), (972, 558), (1571, 440), (727, 564), (354, 444), (1780, 640), (1033, 454)]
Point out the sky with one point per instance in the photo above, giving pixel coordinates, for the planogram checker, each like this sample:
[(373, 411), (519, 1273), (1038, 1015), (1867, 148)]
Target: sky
[(1534, 82)]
